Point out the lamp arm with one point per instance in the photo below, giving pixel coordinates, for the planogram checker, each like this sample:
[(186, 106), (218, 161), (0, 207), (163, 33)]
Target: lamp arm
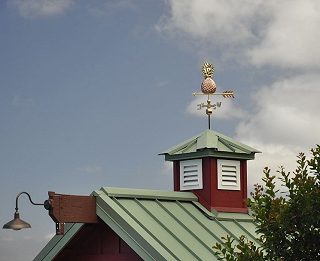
[(38, 204)]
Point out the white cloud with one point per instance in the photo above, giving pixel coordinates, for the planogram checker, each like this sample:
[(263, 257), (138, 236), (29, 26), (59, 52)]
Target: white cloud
[(272, 156), (286, 113), (291, 39), (277, 33), (37, 8), (286, 122), (211, 19)]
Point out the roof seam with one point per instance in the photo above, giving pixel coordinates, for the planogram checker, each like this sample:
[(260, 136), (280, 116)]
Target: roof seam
[(226, 229), (192, 143), (124, 230), (200, 222), (145, 228), (208, 214), (179, 146), (169, 231), (243, 148), (243, 228), (185, 227), (226, 143)]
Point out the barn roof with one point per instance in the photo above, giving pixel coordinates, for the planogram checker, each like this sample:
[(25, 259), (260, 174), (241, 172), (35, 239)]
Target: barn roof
[(160, 225), (210, 143)]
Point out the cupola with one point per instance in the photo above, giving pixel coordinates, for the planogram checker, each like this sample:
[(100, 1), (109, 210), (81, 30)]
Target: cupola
[(212, 165)]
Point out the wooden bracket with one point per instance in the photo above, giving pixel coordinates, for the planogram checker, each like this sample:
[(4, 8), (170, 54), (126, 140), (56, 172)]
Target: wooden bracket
[(71, 209)]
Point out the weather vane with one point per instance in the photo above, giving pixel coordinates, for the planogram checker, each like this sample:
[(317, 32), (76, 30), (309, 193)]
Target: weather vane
[(209, 87)]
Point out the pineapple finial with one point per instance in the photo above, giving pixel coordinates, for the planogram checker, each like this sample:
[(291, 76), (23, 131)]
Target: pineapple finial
[(207, 70), (208, 88), (208, 85)]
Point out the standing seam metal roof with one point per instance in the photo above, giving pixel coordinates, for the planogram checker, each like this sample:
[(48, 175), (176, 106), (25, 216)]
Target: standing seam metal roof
[(161, 225)]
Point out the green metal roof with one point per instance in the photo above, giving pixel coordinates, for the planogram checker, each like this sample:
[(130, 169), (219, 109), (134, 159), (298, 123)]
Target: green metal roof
[(160, 225), (210, 143)]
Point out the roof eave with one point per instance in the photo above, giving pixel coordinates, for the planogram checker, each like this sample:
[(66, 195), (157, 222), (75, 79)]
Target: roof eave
[(210, 153)]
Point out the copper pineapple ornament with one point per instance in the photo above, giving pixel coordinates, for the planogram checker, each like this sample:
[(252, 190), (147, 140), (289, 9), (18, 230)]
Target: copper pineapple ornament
[(208, 85)]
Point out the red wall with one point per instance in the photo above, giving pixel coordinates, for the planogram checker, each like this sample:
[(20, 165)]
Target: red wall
[(176, 175), (96, 242), (210, 196), (205, 195)]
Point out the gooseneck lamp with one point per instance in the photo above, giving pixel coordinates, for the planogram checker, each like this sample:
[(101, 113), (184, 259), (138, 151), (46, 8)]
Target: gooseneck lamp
[(17, 223)]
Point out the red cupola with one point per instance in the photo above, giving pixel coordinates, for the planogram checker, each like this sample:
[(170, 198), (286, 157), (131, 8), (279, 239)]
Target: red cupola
[(214, 167)]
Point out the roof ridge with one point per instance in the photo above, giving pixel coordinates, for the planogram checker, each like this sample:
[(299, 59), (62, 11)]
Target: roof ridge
[(146, 194)]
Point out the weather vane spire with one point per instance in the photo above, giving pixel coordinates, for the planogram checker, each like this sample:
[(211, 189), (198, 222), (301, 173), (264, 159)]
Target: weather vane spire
[(209, 87)]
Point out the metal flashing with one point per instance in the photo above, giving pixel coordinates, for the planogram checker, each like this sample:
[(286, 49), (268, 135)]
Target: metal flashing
[(145, 194), (207, 140), (209, 153)]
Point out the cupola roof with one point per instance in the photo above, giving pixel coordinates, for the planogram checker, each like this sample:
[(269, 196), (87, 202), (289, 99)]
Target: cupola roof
[(210, 143)]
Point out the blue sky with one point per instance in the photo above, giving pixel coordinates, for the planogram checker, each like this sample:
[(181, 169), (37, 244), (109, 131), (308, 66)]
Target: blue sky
[(92, 91)]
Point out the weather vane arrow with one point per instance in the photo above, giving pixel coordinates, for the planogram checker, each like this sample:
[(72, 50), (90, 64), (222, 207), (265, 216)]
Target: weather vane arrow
[(208, 88)]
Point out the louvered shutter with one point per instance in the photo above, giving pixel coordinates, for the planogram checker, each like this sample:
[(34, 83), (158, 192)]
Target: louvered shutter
[(228, 174), (191, 174)]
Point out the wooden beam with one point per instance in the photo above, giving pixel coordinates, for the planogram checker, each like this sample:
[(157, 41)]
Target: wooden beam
[(71, 209)]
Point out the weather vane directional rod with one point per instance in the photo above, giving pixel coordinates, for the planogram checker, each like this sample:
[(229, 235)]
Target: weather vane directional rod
[(225, 94), (209, 105), (208, 88)]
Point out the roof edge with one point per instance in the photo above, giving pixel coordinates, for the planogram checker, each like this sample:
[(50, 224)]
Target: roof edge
[(210, 153), (58, 242)]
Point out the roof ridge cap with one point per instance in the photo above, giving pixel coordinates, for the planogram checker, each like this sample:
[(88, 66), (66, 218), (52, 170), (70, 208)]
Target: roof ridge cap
[(146, 194)]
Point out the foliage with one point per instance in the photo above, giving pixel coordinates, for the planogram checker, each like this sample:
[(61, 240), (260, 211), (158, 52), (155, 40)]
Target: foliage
[(245, 250), (288, 222)]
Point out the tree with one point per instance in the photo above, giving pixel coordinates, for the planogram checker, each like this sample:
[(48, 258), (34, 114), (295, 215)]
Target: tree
[(288, 222)]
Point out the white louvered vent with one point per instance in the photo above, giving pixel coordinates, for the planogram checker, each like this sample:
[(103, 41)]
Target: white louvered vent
[(191, 174), (228, 174)]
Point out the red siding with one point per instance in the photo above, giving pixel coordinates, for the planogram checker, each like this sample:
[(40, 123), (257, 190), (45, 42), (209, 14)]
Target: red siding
[(229, 198), (209, 166), (176, 175), (96, 242)]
